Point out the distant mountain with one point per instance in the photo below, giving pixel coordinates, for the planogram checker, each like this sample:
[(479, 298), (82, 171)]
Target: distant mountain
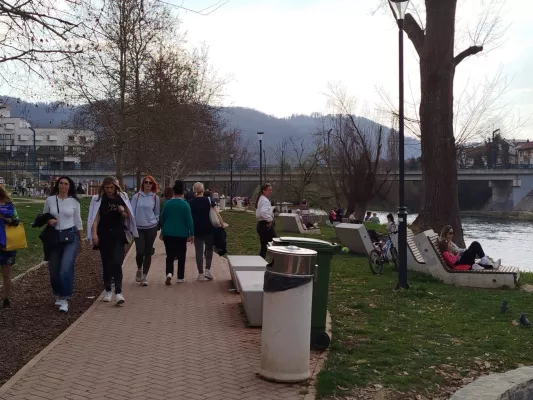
[(249, 121)]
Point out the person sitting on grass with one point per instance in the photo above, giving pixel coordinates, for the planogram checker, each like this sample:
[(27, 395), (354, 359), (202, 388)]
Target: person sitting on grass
[(466, 260), (447, 234)]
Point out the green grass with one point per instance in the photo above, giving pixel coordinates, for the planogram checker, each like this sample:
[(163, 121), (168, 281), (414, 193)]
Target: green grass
[(419, 340), (27, 210)]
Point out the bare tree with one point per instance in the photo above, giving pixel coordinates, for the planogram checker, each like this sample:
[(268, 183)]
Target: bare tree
[(306, 160)]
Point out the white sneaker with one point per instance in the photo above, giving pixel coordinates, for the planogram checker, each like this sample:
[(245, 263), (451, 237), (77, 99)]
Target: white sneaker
[(144, 281), (120, 299), (64, 306), (168, 281), (201, 277), (181, 281), (477, 267), (107, 296), (208, 274), (58, 302), (498, 263), (139, 274)]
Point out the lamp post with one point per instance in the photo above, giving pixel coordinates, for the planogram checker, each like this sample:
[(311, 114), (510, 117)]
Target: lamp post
[(493, 158), (231, 181), (401, 7), (260, 135)]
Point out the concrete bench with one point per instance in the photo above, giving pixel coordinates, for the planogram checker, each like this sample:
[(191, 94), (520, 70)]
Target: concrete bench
[(251, 284), (355, 237), (244, 263), (291, 223), (436, 266)]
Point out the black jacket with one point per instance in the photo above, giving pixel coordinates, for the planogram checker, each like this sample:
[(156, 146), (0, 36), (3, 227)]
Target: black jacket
[(48, 236)]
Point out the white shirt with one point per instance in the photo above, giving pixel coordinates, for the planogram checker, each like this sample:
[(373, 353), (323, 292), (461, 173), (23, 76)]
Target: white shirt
[(69, 215), (264, 210)]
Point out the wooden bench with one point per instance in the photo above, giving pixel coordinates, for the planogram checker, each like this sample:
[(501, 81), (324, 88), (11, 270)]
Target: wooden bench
[(355, 237), (244, 263), (437, 267), (251, 284), (415, 260)]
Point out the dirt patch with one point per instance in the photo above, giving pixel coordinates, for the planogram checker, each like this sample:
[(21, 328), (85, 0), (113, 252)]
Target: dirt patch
[(33, 321)]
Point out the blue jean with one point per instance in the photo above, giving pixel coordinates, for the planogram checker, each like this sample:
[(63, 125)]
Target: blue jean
[(61, 268)]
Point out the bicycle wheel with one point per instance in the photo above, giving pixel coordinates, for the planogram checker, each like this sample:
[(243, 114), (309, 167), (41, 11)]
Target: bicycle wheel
[(394, 257), (375, 262)]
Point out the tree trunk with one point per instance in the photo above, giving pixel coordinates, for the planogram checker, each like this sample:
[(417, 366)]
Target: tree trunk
[(439, 169)]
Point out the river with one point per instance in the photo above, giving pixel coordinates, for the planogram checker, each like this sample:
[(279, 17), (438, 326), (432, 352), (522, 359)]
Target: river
[(505, 239)]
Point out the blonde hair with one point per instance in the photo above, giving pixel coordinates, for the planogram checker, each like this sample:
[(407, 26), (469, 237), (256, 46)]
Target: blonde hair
[(198, 187), (109, 180), (4, 195)]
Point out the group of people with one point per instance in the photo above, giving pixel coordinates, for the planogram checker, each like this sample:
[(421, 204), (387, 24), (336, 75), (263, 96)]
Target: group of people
[(113, 222)]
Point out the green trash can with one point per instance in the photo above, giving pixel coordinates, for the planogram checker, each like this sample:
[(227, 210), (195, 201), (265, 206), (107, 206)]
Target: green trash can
[(319, 338)]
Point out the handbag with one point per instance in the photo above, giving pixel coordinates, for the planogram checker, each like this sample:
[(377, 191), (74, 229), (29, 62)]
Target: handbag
[(215, 219), (66, 236), (15, 237)]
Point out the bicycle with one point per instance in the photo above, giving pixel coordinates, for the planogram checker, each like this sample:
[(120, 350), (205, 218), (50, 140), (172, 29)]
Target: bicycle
[(378, 257)]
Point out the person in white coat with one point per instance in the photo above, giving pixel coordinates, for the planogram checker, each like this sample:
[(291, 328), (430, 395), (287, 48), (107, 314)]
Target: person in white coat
[(265, 218), (110, 221)]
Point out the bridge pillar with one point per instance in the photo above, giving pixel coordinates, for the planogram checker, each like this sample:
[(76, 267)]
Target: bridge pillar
[(502, 195)]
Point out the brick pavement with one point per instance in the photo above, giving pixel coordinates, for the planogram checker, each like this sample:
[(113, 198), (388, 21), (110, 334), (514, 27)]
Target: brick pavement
[(186, 341)]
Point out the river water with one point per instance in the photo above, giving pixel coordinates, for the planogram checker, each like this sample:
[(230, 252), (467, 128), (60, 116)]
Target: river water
[(509, 240)]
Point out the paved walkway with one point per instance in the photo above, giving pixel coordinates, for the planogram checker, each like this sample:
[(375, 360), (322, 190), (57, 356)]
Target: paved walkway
[(186, 341)]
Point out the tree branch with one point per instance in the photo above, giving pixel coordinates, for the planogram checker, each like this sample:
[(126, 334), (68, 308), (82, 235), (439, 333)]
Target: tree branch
[(466, 53), (414, 32)]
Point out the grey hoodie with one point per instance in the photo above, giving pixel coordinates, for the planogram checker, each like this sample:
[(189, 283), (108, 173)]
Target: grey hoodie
[(146, 209)]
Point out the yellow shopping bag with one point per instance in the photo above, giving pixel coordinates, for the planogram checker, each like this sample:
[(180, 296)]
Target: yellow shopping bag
[(15, 237)]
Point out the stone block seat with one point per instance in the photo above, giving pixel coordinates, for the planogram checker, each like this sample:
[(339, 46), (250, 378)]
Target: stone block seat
[(355, 237), (244, 263), (291, 223), (503, 277), (251, 284)]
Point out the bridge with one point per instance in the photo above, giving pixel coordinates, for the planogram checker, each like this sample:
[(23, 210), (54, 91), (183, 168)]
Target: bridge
[(509, 186)]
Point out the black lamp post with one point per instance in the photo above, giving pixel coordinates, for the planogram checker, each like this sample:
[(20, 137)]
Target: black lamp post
[(401, 7), (260, 135), (231, 181)]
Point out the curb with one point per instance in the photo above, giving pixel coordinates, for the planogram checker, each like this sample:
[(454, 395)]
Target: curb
[(311, 392), (35, 267), (30, 364)]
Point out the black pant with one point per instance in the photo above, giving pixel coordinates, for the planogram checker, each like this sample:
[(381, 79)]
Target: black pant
[(175, 247), (112, 253), (469, 255), (143, 245), (266, 234)]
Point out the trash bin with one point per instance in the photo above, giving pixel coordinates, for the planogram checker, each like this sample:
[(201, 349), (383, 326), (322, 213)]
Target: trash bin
[(320, 340), (287, 298)]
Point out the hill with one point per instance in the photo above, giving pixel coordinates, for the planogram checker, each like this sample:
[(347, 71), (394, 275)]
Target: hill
[(249, 121)]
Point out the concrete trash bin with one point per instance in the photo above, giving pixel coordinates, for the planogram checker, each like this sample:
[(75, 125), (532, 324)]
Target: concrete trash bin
[(287, 298), (320, 339)]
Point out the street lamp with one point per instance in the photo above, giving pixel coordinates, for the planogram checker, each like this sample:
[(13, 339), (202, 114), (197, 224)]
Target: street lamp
[(260, 135), (231, 181), (401, 7)]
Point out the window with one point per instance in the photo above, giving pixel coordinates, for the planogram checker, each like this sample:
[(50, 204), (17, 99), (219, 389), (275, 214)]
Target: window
[(10, 126), (71, 138), (23, 138), (83, 139)]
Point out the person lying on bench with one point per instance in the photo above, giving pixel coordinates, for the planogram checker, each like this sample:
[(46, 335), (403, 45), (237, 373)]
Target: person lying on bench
[(466, 260), (306, 225), (447, 234)]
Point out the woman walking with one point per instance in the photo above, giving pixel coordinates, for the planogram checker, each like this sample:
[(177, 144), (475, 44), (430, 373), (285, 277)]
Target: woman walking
[(109, 213), (64, 207), (177, 229), (265, 218), (8, 217), (145, 205), (203, 230)]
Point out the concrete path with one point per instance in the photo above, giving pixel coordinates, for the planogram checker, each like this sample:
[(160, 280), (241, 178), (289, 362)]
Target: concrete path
[(186, 341)]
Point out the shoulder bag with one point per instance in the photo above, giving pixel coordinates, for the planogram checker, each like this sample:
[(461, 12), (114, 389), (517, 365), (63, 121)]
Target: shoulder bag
[(67, 236)]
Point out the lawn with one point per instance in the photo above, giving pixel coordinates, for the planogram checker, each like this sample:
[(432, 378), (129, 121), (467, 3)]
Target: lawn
[(28, 209), (428, 340)]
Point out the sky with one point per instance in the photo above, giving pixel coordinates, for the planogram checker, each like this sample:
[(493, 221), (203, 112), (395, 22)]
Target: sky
[(282, 54)]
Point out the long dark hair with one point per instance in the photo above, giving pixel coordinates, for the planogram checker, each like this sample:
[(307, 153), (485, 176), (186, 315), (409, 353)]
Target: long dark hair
[(261, 190), (71, 187)]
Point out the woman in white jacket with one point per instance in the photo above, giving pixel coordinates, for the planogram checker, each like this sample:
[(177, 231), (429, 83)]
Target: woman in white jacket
[(110, 219)]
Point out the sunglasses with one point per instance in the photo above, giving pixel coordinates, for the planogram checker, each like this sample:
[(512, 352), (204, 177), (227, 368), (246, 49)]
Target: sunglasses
[(450, 233), (148, 182)]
